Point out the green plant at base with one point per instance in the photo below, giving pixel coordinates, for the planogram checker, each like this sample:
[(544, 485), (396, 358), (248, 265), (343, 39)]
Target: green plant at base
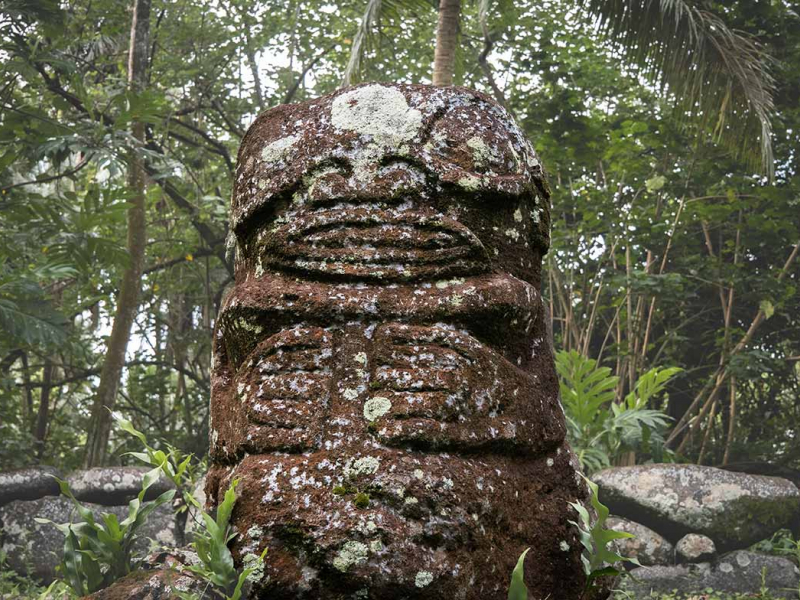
[(782, 543), (174, 464), (598, 560), (213, 535), (518, 590), (98, 553), (211, 544), (18, 587), (601, 429)]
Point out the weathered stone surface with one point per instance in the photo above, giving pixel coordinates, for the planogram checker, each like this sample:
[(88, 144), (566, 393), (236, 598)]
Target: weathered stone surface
[(739, 572), (695, 548), (383, 386), (648, 547), (28, 484), (160, 577), (733, 509), (34, 549), (114, 486)]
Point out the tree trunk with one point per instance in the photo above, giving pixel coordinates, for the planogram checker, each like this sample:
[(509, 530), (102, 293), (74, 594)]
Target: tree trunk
[(128, 299), (444, 61), (40, 431)]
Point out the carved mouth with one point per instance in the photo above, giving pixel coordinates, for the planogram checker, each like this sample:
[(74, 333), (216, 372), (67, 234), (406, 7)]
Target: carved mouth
[(380, 245)]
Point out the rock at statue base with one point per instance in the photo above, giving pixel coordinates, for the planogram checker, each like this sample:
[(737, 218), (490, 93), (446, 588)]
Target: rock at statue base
[(733, 509), (28, 484), (741, 573), (695, 548), (646, 546), (161, 576), (383, 386), (35, 549)]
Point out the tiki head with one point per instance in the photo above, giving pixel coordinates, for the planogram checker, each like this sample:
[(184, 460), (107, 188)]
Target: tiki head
[(383, 385)]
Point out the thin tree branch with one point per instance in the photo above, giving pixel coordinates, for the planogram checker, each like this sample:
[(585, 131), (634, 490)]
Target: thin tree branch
[(67, 173)]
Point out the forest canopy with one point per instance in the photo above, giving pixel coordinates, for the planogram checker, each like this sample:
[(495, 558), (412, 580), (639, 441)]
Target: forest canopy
[(675, 228)]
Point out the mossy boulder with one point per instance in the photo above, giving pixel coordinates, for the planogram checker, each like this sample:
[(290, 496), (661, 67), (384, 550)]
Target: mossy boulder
[(739, 572), (733, 509), (28, 484), (34, 549), (114, 486)]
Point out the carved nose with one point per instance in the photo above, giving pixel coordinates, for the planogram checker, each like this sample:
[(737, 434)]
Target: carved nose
[(395, 181), (330, 187), (392, 182)]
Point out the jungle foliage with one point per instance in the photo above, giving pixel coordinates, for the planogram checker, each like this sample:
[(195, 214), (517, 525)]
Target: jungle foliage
[(670, 248)]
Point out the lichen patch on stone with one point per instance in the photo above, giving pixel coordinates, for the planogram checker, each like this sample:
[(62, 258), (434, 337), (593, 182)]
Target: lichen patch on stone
[(423, 579), (351, 553), (376, 407), (279, 150), (378, 111)]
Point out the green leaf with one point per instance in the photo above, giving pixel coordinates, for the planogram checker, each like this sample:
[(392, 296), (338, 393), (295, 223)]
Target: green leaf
[(226, 508), (767, 308), (518, 590), (655, 183), (128, 427), (71, 564), (149, 479)]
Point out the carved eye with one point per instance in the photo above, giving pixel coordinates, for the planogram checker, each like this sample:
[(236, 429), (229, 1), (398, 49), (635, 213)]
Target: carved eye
[(241, 333)]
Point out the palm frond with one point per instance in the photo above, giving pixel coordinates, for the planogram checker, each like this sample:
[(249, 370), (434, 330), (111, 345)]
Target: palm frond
[(364, 39), (33, 323), (720, 77), (361, 41)]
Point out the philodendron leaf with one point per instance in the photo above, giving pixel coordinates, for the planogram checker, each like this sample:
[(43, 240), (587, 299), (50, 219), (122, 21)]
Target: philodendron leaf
[(518, 590)]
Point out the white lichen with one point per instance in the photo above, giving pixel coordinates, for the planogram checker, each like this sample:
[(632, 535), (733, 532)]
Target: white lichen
[(483, 154), (254, 563), (279, 150), (366, 465), (378, 111), (375, 408), (352, 553), (423, 579), (470, 183)]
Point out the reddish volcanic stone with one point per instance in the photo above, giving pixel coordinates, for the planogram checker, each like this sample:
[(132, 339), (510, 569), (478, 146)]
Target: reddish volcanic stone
[(383, 384)]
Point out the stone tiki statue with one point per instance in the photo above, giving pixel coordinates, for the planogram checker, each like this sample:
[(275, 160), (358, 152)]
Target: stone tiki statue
[(383, 385)]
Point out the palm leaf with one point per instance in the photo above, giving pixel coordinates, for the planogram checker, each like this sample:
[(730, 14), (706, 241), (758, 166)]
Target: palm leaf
[(361, 40), (719, 77), (364, 39)]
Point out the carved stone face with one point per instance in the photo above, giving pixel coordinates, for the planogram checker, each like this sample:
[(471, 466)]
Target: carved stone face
[(383, 386)]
